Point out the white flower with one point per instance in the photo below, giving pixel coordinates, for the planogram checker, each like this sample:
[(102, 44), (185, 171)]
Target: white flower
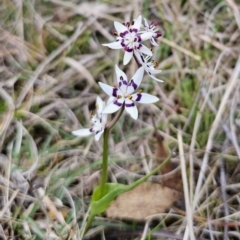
[(129, 39), (151, 29), (98, 121), (149, 66), (123, 93)]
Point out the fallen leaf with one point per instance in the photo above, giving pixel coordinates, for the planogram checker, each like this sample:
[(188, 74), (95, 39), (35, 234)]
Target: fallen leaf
[(144, 200), (150, 198)]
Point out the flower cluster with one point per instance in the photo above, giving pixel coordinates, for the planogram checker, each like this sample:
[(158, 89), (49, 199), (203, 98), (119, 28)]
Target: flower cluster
[(98, 121), (125, 94), (130, 36)]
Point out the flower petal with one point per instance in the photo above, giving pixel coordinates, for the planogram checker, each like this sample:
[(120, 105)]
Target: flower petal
[(153, 77), (145, 50), (82, 132), (109, 90), (121, 76), (104, 119), (127, 57), (139, 56), (114, 106), (137, 23), (153, 70), (113, 45), (135, 81), (153, 42), (131, 108), (120, 28), (98, 135), (146, 23), (110, 100), (144, 98), (146, 36), (100, 104)]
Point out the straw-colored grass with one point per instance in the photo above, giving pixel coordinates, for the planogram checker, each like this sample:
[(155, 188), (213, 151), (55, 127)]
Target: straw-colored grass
[(51, 60)]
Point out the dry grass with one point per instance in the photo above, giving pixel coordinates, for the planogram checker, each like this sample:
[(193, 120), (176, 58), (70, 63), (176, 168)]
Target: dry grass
[(51, 60)]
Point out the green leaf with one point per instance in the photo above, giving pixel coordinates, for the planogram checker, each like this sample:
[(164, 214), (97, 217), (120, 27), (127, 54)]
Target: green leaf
[(112, 190)]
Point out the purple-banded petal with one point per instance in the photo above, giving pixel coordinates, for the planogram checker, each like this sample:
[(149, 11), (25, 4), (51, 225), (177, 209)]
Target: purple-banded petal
[(114, 106), (123, 85), (109, 90), (135, 81), (82, 132), (127, 57), (98, 135), (137, 24), (113, 45), (146, 36), (121, 76), (120, 28), (145, 50), (131, 108), (144, 98)]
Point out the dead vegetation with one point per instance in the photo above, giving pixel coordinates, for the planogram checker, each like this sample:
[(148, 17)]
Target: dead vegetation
[(51, 59)]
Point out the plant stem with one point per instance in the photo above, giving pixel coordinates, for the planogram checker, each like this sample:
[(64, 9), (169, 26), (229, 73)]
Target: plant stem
[(104, 163), (105, 152), (116, 118)]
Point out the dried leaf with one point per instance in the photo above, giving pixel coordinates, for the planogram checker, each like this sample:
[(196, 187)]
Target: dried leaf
[(144, 200)]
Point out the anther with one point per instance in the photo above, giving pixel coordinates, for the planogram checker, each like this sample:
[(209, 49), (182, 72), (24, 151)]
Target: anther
[(115, 33), (155, 64)]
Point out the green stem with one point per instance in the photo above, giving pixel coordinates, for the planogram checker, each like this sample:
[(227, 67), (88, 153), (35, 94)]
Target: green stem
[(105, 152), (88, 225), (116, 118), (104, 163)]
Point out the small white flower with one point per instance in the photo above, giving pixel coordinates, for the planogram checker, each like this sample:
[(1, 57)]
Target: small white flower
[(149, 66), (129, 39), (151, 29), (123, 93), (98, 121)]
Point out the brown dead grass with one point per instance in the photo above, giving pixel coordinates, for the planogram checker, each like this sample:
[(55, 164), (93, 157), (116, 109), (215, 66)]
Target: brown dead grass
[(51, 60)]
